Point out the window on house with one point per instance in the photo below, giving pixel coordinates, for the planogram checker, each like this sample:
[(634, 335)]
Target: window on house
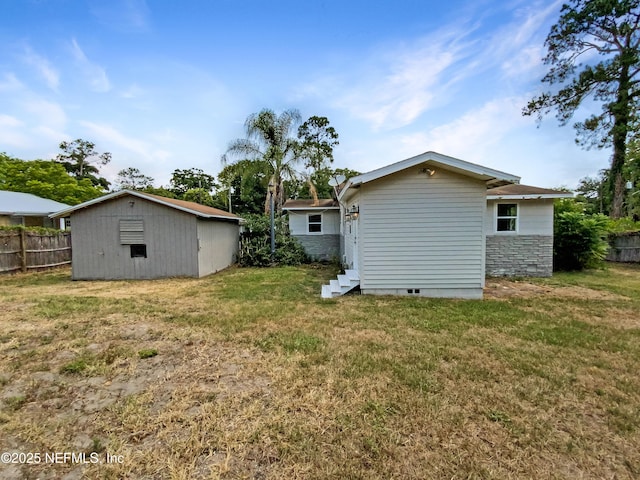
[(507, 217), (131, 232), (314, 223), (138, 251)]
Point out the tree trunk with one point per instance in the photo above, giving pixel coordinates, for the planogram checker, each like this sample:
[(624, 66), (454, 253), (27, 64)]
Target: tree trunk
[(621, 110)]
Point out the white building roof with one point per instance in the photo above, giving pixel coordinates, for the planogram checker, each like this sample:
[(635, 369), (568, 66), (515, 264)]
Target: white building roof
[(27, 205)]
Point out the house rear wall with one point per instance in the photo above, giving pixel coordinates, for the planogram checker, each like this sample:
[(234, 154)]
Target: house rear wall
[(319, 246), (527, 252), (422, 232)]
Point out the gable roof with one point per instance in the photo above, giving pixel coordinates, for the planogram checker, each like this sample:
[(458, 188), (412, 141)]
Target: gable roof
[(307, 204), (189, 207), (491, 176), (524, 192), (27, 205)]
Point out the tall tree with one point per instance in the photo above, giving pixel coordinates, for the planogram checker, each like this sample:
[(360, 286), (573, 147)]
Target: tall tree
[(605, 35), (270, 138), (80, 158), (191, 178), (316, 139), (133, 179), (244, 184), (46, 179)]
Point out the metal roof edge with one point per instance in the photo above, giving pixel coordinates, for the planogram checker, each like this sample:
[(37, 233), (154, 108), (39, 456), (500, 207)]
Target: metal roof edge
[(135, 193)]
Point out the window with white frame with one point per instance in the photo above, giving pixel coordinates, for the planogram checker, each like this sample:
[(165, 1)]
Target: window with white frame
[(507, 217), (314, 223)]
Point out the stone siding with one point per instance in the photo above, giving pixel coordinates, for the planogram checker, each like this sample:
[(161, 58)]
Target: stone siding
[(321, 247), (519, 255)]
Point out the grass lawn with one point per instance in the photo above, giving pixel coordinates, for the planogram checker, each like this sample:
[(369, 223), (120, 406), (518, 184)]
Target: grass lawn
[(249, 374)]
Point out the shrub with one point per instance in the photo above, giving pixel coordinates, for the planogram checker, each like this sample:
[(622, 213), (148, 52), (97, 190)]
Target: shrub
[(579, 240), (255, 243)]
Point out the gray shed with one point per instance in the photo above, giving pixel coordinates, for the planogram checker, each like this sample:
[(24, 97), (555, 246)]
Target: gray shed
[(135, 235)]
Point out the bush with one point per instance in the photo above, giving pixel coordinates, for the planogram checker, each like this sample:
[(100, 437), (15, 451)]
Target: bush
[(579, 240), (255, 243)]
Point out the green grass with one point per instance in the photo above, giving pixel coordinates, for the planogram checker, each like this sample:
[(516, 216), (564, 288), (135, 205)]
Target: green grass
[(260, 378)]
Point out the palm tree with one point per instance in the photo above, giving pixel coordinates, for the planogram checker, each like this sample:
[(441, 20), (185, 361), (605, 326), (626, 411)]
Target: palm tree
[(270, 138)]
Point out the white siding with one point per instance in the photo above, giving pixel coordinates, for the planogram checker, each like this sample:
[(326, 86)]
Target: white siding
[(535, 217), (424, 232), (218, 245), (330, 221)]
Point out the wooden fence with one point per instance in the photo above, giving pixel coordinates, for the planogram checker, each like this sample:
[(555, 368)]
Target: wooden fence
[(24, 250), (624, 247)]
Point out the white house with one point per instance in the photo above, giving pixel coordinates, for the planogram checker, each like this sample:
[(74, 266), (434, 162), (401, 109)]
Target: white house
[(435, 226), (316, 225)]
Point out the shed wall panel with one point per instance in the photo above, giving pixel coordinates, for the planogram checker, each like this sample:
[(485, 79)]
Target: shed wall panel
[(425, 232), (170, 237), (218, 245)]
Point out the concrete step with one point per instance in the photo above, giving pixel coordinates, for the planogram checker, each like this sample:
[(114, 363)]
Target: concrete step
[(352, 275), (326, 291)]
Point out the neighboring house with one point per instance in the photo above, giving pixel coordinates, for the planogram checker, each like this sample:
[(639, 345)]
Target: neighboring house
[(134, 235), (17, 208), (316, 226), (435, 226)]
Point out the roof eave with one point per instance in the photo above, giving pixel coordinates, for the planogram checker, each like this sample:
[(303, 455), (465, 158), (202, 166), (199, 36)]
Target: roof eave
[(310, 208), (533, 196), (121, 193)]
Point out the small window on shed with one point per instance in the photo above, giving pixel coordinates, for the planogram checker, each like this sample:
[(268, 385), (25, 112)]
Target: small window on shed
[(131, 232), (315, 223), (138, 251), (507, 217)]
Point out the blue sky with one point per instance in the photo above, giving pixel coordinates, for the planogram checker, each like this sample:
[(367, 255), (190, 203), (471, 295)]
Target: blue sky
[(168, 84)]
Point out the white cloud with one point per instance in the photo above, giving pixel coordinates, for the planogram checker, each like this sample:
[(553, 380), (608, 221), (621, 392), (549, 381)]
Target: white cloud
[(10, 83), (7, 121), (111, 136), (94, 73), (474, 135), (123, 15), (43, 67)]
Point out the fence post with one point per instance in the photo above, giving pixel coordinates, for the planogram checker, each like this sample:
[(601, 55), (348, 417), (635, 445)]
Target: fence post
[(23, 250)]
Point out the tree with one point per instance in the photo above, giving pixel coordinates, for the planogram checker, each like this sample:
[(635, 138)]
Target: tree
[(46, 179), (198, 195), (245, 184), (605, 35), (133, 179), (78, 159), (191, 178), (269, 138), (316, 139), (320, 179)]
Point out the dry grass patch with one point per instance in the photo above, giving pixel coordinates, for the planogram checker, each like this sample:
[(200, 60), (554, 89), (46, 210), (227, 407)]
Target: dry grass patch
[(253, 376)]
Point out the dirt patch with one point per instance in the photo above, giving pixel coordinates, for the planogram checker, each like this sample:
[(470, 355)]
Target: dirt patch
[(501, 288)]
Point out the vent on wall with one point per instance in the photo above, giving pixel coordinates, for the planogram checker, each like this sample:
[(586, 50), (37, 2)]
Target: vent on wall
[(131, 232)]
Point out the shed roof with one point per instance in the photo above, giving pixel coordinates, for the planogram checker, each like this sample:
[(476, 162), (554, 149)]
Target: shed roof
[(524, 192), (307, 204), (491, 176), (188, 207), (27, 204)]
